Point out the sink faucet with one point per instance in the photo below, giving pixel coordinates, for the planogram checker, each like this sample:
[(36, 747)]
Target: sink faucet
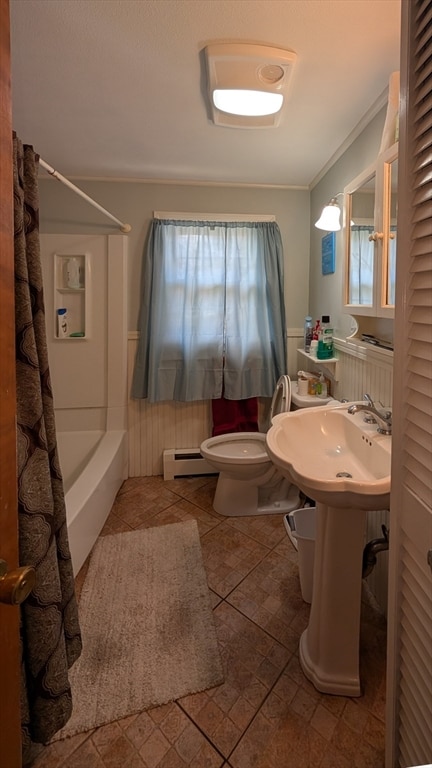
[(382, 418)]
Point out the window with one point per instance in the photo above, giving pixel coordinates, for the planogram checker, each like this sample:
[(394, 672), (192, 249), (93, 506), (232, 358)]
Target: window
[(212, 319), (361, 265)]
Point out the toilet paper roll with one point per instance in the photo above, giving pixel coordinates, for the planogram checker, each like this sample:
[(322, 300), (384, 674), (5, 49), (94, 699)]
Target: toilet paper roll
[(302, 386)]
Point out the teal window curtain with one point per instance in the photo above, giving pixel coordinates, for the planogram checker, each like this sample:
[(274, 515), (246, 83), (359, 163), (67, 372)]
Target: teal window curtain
[(212, 318)]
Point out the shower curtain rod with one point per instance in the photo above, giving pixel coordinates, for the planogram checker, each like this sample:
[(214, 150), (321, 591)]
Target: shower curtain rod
[(123, 227)]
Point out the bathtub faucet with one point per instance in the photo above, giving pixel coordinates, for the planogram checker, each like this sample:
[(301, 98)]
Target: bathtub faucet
[(382, 418)]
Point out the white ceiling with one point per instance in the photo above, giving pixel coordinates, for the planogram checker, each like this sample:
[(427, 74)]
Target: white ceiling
[(116, 88)]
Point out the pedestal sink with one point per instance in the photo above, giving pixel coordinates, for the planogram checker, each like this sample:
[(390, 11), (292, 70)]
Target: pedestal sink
[(343, 464)]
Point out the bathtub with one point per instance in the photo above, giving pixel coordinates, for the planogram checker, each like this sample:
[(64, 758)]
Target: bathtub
[(94, 465)]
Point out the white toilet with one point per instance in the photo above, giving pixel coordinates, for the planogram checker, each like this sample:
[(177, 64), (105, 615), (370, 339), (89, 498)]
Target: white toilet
[(249, 483)]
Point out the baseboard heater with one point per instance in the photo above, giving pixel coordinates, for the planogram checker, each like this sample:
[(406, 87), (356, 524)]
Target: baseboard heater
[(183, 462)]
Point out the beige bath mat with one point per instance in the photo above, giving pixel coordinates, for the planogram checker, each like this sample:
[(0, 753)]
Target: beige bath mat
[(147, 625)]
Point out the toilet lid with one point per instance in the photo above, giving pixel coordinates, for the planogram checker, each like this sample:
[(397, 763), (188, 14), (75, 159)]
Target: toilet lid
[(281, 402)]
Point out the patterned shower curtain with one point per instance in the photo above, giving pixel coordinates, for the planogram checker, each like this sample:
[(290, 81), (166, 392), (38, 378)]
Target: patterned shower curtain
[(50, 633)]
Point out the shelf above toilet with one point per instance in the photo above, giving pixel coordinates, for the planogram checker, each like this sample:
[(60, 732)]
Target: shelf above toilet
[(330, 366), (307, 401)]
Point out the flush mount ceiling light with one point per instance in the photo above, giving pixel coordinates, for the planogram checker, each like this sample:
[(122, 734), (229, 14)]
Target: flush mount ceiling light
[(330, 216), (247, 83)]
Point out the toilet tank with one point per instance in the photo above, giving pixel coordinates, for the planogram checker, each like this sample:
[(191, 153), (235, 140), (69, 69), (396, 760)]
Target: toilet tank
[(307, 401)]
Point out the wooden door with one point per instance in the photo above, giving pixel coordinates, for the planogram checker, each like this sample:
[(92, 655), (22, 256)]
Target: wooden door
[(409, 658), (10, 745)]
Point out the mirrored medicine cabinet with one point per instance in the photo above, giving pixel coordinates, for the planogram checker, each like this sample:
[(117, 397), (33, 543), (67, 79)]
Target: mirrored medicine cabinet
[(370, 238)]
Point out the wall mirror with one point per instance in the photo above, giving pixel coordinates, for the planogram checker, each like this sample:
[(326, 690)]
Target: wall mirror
[(390, 265), (371, 236), (360, 237)]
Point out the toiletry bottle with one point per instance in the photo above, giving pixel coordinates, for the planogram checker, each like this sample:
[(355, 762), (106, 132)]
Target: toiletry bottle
[(325, 342), (73, 273), (62, 324), (308, 332), (316, 331), (323, 386)]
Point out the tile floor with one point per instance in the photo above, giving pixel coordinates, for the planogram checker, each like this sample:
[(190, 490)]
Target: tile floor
[(266, 714)]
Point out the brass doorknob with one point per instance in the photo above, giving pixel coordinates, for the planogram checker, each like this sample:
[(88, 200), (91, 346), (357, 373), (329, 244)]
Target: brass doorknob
[(16, 585)]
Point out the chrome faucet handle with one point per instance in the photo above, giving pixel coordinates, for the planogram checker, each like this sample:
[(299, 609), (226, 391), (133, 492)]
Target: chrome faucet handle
[(381, 410), (383, 419), (369, 419)]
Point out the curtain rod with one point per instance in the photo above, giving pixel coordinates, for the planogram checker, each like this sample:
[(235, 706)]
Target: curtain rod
[(219, 217), (123, 227)]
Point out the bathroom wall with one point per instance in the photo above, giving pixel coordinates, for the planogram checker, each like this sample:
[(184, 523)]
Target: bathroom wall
[(325, 291), (360, 369), (88, 374), (154, 427), (62, 212)]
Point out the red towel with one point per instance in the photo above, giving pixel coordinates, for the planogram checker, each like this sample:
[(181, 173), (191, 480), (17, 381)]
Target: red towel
[(234, 416)]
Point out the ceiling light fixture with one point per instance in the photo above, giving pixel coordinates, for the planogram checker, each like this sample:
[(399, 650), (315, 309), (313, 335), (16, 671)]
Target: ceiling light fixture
[(247, 103), (247, 83), (330, 216)]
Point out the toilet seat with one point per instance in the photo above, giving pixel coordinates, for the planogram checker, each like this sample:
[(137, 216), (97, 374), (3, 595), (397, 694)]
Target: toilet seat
[(235, 447), (281, 400)]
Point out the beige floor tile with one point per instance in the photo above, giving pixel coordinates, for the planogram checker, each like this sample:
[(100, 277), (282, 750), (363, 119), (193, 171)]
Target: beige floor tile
[(182, 510), (266, 714), (252, 663), (267, 529), (229, 555)]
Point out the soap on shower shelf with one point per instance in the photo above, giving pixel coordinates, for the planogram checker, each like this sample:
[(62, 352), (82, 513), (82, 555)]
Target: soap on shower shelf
[(77, 334)]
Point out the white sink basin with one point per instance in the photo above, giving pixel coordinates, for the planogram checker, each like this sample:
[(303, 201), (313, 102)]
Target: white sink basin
[(332, 456), (344, 465)]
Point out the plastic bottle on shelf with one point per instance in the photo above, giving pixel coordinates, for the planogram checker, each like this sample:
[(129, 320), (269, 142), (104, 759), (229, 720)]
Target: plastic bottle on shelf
[(325, 342), (73, 273), (308, 333), (62, 323), (323, 386), (316, 331)]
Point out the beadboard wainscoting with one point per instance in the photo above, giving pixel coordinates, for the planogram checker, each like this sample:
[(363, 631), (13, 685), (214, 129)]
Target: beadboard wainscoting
[(155, 427)]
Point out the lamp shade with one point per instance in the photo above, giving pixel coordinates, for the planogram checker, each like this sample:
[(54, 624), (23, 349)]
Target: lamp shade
[(330, 217)]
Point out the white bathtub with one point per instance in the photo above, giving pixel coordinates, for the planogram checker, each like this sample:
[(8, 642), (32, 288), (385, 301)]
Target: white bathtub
[(94, 465)]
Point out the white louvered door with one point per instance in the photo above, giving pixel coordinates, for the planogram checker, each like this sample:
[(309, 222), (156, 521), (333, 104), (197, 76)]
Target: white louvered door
[(409, 671)]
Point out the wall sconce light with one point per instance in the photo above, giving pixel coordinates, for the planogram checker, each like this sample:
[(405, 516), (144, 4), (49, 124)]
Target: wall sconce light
[(330, 216), (247, 83)]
